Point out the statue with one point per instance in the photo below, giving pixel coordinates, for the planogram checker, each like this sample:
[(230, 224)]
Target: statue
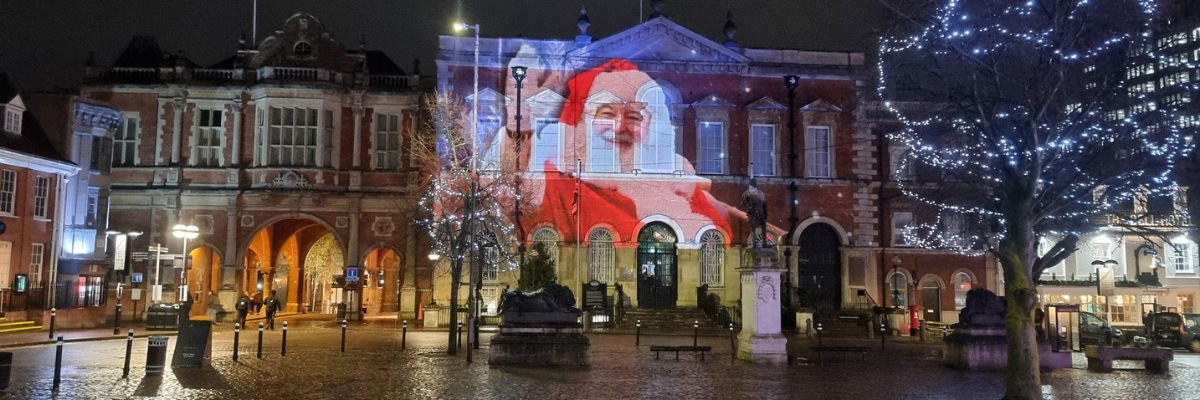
[(550, 304), (984, 308), (754, 203)]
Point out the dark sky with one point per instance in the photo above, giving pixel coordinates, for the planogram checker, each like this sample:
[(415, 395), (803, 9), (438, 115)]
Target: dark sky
[(44, 43)]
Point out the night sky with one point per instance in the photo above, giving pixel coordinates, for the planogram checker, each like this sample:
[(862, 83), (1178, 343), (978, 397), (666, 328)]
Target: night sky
[(44, 43)]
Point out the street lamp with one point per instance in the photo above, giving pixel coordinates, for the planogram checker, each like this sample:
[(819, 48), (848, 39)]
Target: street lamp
[(185, 232), (519, 73), (121, 263)]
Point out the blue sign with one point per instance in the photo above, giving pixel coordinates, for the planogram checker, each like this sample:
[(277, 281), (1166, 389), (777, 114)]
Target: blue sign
[(136, 277), (351, 274)]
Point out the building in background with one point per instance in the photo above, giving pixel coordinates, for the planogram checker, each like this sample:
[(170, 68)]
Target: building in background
[(33, 182)]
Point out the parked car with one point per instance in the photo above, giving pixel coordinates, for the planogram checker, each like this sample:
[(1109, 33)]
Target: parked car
[(1167, 329), (1094, 331), (1191, 332)]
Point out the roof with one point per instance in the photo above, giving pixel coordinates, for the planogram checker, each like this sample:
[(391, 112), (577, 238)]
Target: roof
[(32, 140), (143, 52), (8, 89), (378, 63)]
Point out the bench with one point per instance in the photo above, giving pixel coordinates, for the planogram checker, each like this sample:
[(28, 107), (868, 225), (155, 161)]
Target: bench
[(677, 349), (840, 349), (1158, 360)]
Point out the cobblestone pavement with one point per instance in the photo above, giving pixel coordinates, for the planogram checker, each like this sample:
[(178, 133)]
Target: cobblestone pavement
[(373, 366)]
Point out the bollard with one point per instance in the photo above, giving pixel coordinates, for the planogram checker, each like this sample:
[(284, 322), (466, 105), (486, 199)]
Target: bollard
[(808, 328), (53, 317), (58, 363), (260, 333), (117, 319), (459, 333), (128, 352), (343, 336), (819, 329), (404, 335), (283, 346), (922, 330), (695, 333), (944, 331), (732, 346), (156, 355), (882, 338), (870, 329), (5, 369), (638, 340), (237, 333)]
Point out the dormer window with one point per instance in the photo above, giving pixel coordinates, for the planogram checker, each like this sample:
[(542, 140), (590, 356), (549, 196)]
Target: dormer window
[(302, 49), (12, 121)]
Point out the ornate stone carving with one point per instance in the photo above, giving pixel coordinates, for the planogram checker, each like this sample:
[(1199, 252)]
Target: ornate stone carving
[(205, 223), (291, 180), (766, 289), (342, 222), (247, 220), (383, 226)]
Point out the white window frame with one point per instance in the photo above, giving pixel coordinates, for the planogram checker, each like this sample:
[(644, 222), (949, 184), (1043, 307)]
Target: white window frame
[(657, 150), (125, 142), (595, 142), (12, 120), (208, 139), (899, 239), (761, 156), (273, 150), (712, 258), (901, 170), (550, 237), (544, 149), (8, 192), (960, 293), (37, 257), (92, 210), (41, 196), (601, 255), (818, 156), (1180, 252), (386, 140), (701, 159), (490, 149)]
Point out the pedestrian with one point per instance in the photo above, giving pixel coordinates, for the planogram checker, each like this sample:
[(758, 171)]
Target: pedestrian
[(243, 308), (258, 302), (213, 307), (272, 307)]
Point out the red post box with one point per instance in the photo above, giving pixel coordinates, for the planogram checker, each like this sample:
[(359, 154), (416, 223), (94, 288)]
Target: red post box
[(914, 315)]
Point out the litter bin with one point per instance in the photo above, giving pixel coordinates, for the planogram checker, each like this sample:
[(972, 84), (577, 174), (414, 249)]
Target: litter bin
[(5, 369), (162, 317), (156, 355), (341, 313)]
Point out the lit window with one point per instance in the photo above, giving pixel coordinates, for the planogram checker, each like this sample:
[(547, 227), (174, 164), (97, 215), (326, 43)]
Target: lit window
[(901, 223), (712, 258), (657, 151), (41, 193), (762, 148), (600, 256), (12, 121), (387, 141), (1180, 253), (210, 129), (962, 285), (8, 191), (36, 257), (602, 154), (125, 143), (818, 153), (547, 144), (488, 140), (712, 148), (292, 138), (548, 237)]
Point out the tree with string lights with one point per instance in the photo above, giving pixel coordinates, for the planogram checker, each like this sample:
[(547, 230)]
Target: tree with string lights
[(462, 206), (1023, 113)]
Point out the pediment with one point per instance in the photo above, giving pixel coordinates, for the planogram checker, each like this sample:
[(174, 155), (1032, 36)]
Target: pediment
[(546, 96), (604, 97), (713, 101), (766, 104), (820, 105), (16, 103), (489, 95), (659, 39)]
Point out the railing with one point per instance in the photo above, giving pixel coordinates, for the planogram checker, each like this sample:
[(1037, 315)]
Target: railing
[(710, 303), (864, 302), (212, 74), (267, 73), (122, 73), (619, 304), (389, 81)]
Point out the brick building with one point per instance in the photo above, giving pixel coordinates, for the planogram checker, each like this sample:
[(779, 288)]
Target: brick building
[(289, 141), (657, 131)]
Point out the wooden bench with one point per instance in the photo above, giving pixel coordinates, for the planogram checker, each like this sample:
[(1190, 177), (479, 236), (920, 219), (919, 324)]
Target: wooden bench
[(677, 349), (840, 349), (1158, 360)]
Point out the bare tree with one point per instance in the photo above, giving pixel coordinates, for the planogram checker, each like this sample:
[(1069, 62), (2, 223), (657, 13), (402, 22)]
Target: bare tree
[(464, 199), (1024, 112)]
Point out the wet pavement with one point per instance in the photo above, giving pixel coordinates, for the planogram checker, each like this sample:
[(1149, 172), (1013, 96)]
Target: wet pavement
[(374, 366)]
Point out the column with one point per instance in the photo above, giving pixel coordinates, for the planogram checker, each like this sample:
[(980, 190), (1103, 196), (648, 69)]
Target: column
[(761, 339), (356, 153), (353, 298), (236, 156), (408, 289), (178, 107)]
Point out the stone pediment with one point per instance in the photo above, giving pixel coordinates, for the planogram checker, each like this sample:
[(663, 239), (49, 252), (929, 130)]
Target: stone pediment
[(303, 43), (713, 101), (546, 96), (820, 105), (604, 97), (489, 95), (659, 39), (291, 180), (766, 104)]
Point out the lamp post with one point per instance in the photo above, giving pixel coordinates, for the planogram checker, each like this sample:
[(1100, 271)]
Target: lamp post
[(790, 82), (474, 190), (120, 266), (185, 232), (519, 73)]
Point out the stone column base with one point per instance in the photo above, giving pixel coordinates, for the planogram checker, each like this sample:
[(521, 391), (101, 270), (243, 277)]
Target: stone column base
[(765, 349), (408, 303)]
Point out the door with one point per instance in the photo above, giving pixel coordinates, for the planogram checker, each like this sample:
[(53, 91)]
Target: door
[(931, 302), (657, 269), (819, 274)]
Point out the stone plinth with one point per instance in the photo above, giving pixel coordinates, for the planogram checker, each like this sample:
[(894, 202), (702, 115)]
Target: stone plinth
[(540, 345), (1158, 360), (761, 339), (986, 349)]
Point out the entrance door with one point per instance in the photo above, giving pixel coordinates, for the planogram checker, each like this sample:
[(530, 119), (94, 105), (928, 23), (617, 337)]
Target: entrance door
[(931, 301), (657, 276), (820, 271)]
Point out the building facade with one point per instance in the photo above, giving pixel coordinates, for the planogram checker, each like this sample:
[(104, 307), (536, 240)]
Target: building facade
[(33, 181), (291, 141), (639, 147)]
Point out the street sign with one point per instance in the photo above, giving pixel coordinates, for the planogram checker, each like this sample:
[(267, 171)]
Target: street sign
[(1107, 282), (140, 255), (119, 252), (351, 274), (136, 277)]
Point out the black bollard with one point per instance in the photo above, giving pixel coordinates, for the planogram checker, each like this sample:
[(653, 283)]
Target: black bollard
[(819, 329), (882, 338), (638, 340), (53, 317), (343, 336), (260, 333), (128, 351), (695, 333), (58, 363), (117, 320), (404, 335), (460, 334), (283, 346), (237, 335), (732, 346)]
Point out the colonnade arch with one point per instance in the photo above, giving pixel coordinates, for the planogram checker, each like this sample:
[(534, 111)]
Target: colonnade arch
[(274, 260)]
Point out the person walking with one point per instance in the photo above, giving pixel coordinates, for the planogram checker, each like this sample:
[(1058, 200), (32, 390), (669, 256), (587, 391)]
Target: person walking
[(257, 302), (243, 308), (272, 308)]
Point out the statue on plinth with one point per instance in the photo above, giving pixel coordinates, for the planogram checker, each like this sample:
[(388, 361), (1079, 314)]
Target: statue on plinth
[(754, 204)]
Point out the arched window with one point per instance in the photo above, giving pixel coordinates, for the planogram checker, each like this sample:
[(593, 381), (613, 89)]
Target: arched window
[(712, 258), (600, 256), (658, 147), (898, 286), (962, 285), (549, 237), (491, 257)]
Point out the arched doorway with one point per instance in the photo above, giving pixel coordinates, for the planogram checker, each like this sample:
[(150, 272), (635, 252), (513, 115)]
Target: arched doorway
[(931, 300), (323, 261), (381, 293), (657, 267), (819, 275), (204, 280), (275, 259)]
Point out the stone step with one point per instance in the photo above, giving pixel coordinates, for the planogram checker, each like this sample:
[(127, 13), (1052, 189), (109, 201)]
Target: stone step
[(18, 326)]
